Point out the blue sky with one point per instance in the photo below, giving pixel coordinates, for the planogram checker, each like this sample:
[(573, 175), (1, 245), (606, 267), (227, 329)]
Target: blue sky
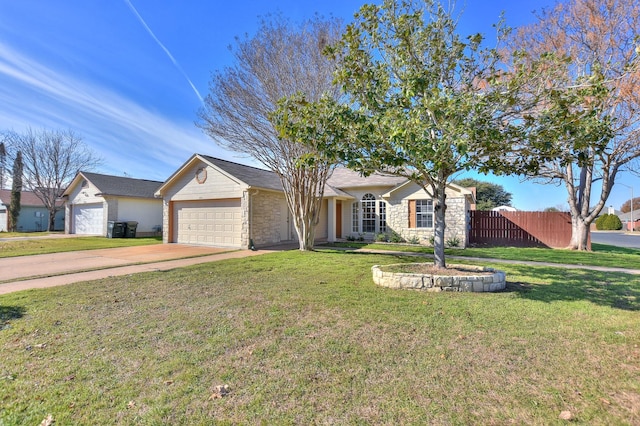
[(129, 75)]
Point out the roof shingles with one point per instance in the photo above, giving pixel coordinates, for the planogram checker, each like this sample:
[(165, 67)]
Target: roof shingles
[(26, 198), (123, 186)]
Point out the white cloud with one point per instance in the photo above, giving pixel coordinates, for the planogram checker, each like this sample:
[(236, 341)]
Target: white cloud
[(131, 138)]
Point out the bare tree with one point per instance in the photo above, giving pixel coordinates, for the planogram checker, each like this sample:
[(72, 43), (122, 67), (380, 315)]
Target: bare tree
[(51, 160), (279, 60), (581, 60)]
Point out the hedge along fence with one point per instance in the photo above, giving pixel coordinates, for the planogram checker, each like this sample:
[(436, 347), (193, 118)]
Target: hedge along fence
[(520, 229)]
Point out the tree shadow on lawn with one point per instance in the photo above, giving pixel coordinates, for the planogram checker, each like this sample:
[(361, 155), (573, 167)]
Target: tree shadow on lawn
[(8, 313), (613, 289), (551, 284)]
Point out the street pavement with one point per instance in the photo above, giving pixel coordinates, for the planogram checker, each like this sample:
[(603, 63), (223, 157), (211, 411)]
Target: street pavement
[(616, 238)]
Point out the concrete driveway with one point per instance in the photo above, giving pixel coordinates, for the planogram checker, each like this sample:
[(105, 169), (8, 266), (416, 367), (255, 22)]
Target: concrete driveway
[(46, 270)]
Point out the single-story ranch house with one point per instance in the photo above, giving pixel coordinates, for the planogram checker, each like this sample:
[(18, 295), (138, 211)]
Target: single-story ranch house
[(92, 200), (221, 203), (33, 217)]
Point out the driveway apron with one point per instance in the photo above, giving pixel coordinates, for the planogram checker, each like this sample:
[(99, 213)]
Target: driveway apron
[(21, 267)]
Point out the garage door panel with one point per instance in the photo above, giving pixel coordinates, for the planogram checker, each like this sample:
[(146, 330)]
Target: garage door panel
[(210, 222), (88, 219)]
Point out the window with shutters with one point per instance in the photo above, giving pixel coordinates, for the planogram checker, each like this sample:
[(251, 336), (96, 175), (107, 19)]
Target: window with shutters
[(424, 214)]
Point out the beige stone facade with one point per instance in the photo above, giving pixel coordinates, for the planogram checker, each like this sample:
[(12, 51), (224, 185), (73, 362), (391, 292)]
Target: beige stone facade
[(211, 201), (456, 222)]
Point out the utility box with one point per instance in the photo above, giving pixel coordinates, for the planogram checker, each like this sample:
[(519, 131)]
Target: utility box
[(115, 229), (130, 229)]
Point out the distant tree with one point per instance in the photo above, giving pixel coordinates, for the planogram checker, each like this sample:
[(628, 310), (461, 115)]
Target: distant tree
[(626, 207), (488, 195), (51, 160), (280, 60), (16, 189), (580, 61), (552, 209)]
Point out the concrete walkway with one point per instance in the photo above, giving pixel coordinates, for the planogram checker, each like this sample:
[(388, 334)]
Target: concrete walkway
[(513, 262)]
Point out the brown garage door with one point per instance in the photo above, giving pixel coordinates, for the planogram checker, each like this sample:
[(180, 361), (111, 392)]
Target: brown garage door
[(211, 222)]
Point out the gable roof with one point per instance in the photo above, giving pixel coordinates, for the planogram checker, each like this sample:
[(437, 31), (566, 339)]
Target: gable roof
[(466, 192), (252, 176), (240, 173), (27, 198), (347, 178), (117, 185), (337, 185)]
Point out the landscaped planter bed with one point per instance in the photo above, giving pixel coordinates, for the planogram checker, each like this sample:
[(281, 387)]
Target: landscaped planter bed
[(424, 276)]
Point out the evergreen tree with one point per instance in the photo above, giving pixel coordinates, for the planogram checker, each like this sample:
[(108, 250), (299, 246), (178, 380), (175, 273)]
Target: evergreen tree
[(16, 189), (3, 163), (488, 195)]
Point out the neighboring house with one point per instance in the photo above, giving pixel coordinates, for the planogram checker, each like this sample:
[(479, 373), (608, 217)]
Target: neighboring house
[(221, 203), (33, 217), (93, 200), (504, 209), (626, 219)]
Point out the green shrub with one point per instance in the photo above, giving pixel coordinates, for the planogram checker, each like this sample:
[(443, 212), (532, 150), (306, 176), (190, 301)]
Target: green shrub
[(396, 238), (382, 238), (453, 242), (608, 222)]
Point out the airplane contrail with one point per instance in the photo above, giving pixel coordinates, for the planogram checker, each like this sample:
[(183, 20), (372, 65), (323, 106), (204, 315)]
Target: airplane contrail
[(159, 43)]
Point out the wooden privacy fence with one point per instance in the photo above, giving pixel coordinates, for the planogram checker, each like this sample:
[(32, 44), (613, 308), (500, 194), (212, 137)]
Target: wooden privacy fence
[(520, 229)]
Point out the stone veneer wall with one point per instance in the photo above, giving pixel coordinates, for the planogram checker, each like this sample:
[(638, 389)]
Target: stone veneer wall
[(456, 218), (267, 212), (165, 220), (495, 281)]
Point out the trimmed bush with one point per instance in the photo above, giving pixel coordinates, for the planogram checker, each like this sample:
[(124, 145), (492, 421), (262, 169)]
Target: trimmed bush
[(608, 222)]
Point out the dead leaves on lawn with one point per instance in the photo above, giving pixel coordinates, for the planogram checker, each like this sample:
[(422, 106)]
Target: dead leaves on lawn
[(220, 391)]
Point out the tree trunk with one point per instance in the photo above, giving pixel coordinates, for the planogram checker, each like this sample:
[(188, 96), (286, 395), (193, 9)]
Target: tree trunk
[(580, 231), (439, 207), (52, 220), (305, 228)]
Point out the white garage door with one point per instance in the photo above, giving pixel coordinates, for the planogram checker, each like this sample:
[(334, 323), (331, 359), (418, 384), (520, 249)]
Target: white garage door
[(3, 219), (88, 219), (214, 223)]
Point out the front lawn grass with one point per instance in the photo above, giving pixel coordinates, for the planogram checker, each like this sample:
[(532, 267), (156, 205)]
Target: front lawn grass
[(601, 254), (57, 245), (307, 338), (5, 234)]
